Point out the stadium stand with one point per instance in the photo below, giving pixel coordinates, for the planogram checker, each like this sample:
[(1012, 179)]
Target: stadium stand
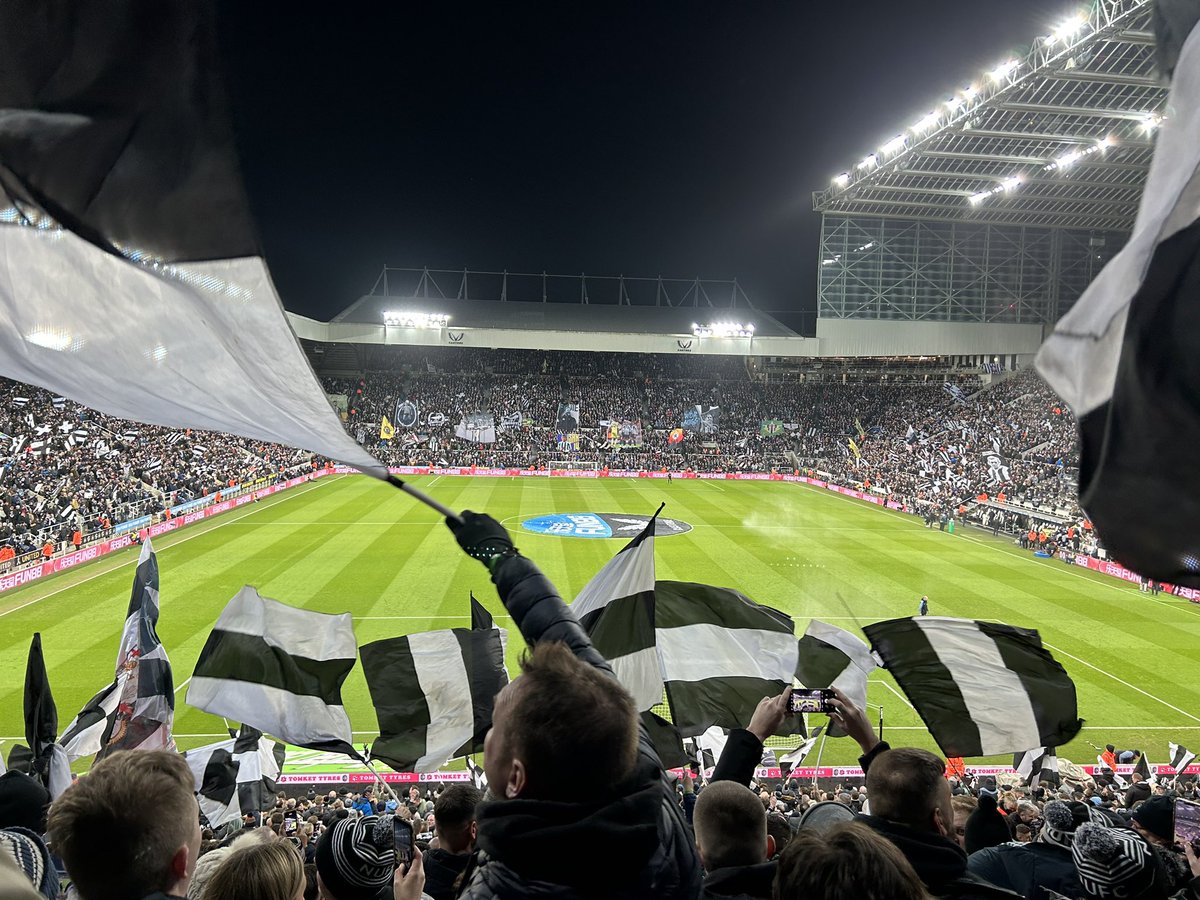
[(932, 437)]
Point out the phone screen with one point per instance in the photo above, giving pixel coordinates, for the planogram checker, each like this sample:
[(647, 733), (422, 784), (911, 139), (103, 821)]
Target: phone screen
[(403, 837), (1187, 823), (814, 701)]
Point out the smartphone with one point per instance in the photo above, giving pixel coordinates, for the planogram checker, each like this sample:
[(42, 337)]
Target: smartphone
[(814, 701), (1187, 823), (402, 836)]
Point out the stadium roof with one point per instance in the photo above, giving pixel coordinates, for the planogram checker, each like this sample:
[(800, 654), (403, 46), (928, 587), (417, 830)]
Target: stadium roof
[(1060, 136)]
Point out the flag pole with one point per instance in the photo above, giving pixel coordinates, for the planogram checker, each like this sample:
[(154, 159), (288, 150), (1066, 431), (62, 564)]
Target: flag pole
[(820, 750), (422, 497), (383, 784)]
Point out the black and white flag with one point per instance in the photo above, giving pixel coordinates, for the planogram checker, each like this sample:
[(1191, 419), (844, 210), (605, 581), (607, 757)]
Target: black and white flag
[(481, 619), (616, 608), (795, 758), (1122, 359), (1037, 766), (49, 763), (149, 226), (981, 688), (279, 669), (1142, 767), (720, 653), (236, 778), (137, 710), (58, 402), (433, 694), (833, 657), (1181, 757)]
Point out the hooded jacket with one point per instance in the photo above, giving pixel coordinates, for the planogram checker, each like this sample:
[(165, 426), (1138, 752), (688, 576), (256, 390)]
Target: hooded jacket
[(1029, 869), (940, 863), (740, 882), (635, 844)]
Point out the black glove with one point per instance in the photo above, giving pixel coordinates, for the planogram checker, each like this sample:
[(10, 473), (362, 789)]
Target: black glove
[(481, 536)]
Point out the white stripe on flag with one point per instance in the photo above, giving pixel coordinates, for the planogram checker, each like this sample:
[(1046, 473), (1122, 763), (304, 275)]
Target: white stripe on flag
[(697, 652), (997, 701), (297, 718), (438, 660), (630, 572), (299, 632), (640, 674)]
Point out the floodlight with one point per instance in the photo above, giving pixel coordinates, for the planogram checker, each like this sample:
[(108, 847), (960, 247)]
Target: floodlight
[(868, 161), (842, 180), (895, 145), (1003, 70)]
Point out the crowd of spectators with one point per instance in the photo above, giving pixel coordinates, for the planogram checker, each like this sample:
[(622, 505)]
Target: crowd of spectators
[(916, 826), (71, 474), (937, 442)]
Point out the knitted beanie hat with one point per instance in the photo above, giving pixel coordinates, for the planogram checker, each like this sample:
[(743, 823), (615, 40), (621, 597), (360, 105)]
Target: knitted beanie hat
[(1112, 863), (356, 857), (28, 851), (1062, 820), (986, 827), (23, 801)]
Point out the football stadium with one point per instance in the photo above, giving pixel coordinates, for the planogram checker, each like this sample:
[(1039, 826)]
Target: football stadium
[(901, 593)]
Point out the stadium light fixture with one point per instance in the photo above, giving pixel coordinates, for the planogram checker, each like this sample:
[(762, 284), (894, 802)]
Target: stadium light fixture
[(1150, 122), (1003, 70), (724, 330), (953, 103), (842, 180), (895, 145), (1068, 29), (868, 161), (969, 92), (401, 319), (929, 120)]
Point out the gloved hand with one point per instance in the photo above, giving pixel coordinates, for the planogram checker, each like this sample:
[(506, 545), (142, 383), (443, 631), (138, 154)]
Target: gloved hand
[(481, 536)]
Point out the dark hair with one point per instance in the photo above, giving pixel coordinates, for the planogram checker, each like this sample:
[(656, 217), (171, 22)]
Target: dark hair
[(564, 710), (846, 860), (730, 825), (453, 813), (778, 828), (903, 784), (118, 829)]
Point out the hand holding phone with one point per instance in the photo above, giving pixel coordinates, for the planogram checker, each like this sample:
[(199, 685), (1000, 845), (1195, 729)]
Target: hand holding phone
[(1187, 823), (810, 701), (402, 836)]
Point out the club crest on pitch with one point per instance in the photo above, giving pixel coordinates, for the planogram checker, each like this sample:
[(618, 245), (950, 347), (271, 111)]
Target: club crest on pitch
[(602, 525)]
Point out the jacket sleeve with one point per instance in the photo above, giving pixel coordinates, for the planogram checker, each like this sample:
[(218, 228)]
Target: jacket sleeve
[(867, 758), (741, 756), (538, 612)]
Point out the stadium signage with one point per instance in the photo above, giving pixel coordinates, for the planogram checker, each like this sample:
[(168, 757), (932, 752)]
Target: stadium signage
[(684, 346), (602, 525)]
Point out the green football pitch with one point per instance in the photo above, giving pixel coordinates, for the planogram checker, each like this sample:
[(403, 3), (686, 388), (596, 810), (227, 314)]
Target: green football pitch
[(349, 543)]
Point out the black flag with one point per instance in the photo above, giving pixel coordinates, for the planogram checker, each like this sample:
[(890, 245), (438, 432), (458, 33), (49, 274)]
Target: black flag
[(481, 619)]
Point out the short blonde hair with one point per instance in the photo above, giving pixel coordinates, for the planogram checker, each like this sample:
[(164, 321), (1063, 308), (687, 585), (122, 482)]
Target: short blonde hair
[(258, 871)]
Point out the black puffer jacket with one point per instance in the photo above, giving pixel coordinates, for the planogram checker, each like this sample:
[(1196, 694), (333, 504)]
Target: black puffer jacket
[(1029, 869), (635, 845)]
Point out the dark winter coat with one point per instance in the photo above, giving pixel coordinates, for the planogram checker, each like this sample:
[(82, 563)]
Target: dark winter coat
[(740, 883), (1028, 869)]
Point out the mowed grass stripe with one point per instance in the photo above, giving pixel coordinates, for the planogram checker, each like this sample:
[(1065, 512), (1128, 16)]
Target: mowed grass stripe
[(354, 544)]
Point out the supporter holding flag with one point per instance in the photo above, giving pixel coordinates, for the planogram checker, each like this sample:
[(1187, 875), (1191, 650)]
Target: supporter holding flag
[(618, 832)]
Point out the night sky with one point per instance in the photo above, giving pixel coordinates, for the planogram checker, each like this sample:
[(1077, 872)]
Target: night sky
[(679, 139)]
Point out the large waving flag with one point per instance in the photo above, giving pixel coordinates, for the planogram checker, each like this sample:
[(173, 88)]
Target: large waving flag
[(279, 669), (616, 608), (433, 694), (720, 654), (1124, 360), (980, 687), (131, 275), (1181, 757), (137, 710)]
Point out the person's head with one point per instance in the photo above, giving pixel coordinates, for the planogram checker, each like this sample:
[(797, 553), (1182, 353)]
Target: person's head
[(130, 828), (454, 817), (1023, 834), (1154, 819), (356, 858), (779, 831), (847, 860), (259, 871), (414, 795), (731, 827), (560, 710), (908, 786), (23, 802), (1028, 812), (962, 807)]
